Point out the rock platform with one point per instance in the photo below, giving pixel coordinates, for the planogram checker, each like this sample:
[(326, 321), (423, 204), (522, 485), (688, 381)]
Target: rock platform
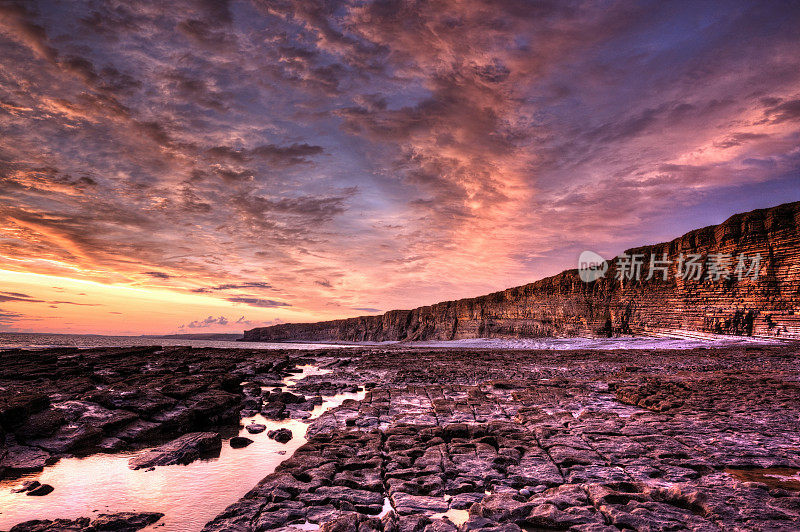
[(444, 440)]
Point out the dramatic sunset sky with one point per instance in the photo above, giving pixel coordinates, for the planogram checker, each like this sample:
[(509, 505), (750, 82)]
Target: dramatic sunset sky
[(202, 165)]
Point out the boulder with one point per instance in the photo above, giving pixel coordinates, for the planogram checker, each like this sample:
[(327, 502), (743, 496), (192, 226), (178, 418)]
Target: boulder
[(183, 450), (40, 491), (239, 442), (280, 435)]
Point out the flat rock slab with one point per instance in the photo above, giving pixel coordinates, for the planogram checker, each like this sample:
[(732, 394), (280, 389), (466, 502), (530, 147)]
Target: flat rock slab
[(121, 522), (256, 428), (183, 450), (23, 459)]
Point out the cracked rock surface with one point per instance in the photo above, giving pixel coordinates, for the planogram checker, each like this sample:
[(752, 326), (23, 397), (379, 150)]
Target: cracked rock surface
[(443, 440), (582, 441), (64, 402)]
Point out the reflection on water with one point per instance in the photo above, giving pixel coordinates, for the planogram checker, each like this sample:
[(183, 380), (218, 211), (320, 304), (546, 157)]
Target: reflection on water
[(189, 495), (457, 517)]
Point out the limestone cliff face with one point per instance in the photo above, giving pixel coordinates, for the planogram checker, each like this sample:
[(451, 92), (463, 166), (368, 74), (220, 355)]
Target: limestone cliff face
[(564, 305)]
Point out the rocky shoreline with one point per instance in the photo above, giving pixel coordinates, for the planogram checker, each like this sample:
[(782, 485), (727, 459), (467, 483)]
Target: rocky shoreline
[(704, 439)]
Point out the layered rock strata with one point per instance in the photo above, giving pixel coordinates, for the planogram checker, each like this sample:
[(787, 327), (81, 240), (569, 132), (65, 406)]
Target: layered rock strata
[(766, 304)]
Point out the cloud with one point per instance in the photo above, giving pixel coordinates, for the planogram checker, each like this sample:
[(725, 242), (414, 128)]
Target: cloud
[(367, 309), (400, 152), (233, 286), (16, 296), (210, 321), (8, 318), (788, 110), (25, 298), (158, 275), (257, 302), (281, 156)]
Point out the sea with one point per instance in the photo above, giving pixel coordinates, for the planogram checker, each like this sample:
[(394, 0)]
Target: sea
[(44, 341), (678, 340)]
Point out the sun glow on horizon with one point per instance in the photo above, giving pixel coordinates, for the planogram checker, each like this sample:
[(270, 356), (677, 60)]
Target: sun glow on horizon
[(54, 304)]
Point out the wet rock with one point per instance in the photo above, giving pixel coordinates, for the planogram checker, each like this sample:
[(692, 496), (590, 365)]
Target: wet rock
[(239, 442), (40, 425), (121, 522), (437, 433), (134, 395), (28, 485), (256, 428), (140, 431), (40, 491), (70, 438), (275, 410), (185, 387), (343, 523), (280, 435), (287, 398), (110, 445), (182, 450), (16, 408), (21, 459), (125, 521)]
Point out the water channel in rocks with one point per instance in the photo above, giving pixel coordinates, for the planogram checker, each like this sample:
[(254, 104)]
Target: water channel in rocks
[(189, 495)]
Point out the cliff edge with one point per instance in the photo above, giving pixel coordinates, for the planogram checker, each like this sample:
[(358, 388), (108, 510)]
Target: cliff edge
[(761, 299)]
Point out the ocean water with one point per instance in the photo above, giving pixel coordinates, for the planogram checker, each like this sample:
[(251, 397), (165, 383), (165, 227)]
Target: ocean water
[(675, 340), (42, 341)]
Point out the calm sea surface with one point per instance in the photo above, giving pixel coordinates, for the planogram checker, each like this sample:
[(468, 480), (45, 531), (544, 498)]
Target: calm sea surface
[(41, 341)]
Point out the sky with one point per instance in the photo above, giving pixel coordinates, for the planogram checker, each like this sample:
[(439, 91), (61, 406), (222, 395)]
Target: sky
[(212, 166)]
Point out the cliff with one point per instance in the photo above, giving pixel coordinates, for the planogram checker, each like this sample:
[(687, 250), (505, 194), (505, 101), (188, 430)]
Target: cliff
[(766, 304)]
